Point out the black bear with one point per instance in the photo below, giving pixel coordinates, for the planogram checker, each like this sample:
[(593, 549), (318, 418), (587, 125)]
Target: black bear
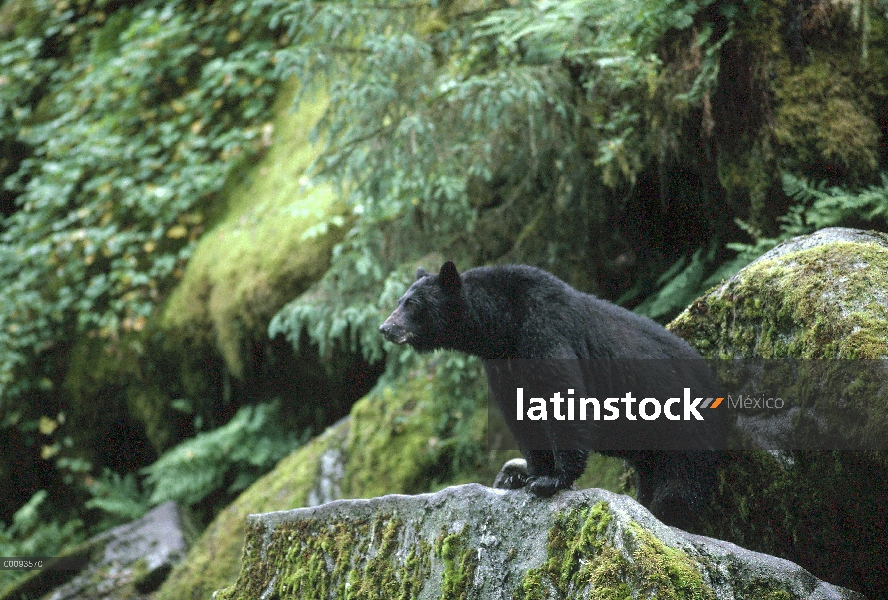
[(513, 313)]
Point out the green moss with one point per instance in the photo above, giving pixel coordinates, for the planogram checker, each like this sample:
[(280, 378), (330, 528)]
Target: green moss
[(531, 586), (583, 562), (273, 240), (824, 120), (392, 439), (805, 304), (343, 559), (667, 567), (460, 561), (764, 590)]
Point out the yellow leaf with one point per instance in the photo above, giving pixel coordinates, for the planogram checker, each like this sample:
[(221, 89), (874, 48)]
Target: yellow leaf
[(177, 231), (149, 246), (47, 425)]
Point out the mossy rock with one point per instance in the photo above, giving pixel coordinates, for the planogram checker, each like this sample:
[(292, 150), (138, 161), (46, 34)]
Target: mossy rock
[(271, 242), (416, 433), (819, 296), (474, 542)]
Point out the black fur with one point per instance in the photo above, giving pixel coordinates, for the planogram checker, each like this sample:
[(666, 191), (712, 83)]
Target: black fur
[(521, 312)]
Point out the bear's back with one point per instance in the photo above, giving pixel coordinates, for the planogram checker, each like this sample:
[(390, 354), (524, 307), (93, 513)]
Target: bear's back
[(530, 313)]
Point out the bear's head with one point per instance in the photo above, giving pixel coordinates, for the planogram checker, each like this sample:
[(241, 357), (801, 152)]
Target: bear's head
[(428, 313)]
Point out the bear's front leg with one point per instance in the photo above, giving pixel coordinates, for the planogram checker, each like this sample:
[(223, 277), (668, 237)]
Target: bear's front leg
[(564, 467), (542, 472), (512, 476), (524, 472)]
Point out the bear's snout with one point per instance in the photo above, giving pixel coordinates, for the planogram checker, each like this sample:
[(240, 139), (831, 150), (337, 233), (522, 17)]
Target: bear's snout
[(393, 332)]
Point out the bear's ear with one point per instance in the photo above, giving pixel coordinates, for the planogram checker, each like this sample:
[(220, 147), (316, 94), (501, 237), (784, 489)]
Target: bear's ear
[(449, 276), (420, 273)]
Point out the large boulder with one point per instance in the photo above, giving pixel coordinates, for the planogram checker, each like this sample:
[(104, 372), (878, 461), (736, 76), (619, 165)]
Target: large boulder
[(820, 296), (823, 295), (471, 541)]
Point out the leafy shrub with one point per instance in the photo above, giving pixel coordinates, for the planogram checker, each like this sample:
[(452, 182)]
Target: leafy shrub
[(222, 461), (131, 124), (119, 497)]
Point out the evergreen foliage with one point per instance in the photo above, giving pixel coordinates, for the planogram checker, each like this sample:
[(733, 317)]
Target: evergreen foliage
[(481, 130), (119, 497)]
